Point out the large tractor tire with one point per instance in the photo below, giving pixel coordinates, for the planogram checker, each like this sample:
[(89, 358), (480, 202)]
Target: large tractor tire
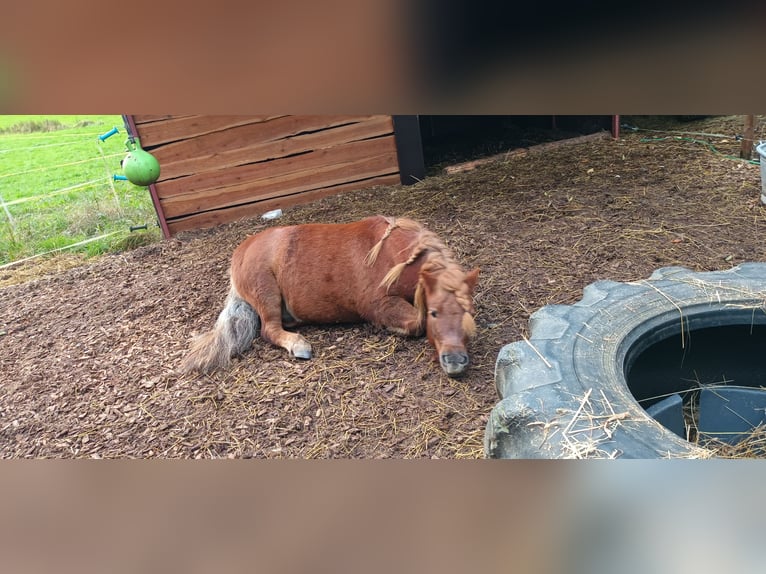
[(585, 382)]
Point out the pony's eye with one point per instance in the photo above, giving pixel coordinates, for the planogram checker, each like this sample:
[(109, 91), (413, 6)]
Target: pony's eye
[(433, 313)]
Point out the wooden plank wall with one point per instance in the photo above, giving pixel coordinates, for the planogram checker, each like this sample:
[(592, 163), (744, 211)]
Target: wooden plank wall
[(215, 169)]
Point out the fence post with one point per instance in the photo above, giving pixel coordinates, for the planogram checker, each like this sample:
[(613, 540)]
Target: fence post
[(10, 219)]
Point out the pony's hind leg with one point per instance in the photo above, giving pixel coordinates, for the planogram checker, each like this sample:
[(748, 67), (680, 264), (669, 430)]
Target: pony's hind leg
[(268, 304), (293, 343)]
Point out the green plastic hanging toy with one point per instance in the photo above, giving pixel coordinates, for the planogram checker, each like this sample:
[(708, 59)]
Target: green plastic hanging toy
[(140, 167)]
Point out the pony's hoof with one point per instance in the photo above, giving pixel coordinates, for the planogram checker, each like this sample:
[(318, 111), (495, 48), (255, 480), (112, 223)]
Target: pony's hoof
[(301, 350), (302, 354)]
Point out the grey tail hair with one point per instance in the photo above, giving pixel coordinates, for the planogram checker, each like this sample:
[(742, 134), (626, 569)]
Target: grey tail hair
[(232, 335)]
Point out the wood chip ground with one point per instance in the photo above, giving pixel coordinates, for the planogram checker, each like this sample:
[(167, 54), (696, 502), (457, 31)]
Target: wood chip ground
[(88, 349)]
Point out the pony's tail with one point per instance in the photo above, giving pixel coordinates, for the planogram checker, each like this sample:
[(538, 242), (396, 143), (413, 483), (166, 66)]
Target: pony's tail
[(233, 334)]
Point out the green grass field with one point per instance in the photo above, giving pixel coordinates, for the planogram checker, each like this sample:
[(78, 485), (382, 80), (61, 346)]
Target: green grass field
[(56, 187)]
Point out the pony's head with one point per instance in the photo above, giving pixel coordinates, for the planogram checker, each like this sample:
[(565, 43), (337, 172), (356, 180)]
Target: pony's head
[(445, 298)]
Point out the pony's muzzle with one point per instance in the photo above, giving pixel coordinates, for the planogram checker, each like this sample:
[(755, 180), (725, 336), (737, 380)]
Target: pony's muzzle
[(454, 363)]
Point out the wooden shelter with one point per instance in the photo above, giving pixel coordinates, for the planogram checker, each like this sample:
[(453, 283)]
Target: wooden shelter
[(216, 169)]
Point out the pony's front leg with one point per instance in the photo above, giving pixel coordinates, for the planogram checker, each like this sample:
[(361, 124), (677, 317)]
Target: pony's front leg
[(398, 315)]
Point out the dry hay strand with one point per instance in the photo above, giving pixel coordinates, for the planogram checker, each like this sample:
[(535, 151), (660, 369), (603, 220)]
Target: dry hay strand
[(40, 268), (752, 445), (587, 430), (336, 406), (590, 427)]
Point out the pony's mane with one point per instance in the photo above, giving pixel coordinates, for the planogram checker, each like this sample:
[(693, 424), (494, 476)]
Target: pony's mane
[(439, 260)]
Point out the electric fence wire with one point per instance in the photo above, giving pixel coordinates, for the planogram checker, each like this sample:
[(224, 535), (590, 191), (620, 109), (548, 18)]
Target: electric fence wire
[(83, 185), (34, 147), (102, 156), (70, 246), (68, 164)]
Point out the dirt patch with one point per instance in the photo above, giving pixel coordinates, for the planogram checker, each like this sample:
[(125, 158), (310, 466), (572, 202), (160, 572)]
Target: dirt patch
[(87, 355)]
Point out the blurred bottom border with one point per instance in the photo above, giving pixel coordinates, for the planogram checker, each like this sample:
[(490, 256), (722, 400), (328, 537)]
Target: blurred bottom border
[(381, 516)]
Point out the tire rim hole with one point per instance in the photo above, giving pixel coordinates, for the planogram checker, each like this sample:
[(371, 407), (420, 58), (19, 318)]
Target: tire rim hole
[(711, 387)]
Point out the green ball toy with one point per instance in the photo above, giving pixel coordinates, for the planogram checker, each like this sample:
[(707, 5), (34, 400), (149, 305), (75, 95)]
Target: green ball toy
[(140, 167)]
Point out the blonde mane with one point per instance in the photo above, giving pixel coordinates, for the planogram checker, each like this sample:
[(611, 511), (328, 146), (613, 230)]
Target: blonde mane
[(439, 260)]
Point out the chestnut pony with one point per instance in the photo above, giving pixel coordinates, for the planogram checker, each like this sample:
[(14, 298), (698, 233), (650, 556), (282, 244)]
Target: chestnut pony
[(391, 272)]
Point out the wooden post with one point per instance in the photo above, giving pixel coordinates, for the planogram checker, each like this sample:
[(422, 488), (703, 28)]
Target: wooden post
[(746, 152), (409, 149), (130, 126)]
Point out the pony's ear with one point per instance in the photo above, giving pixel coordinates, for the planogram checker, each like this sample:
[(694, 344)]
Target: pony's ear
[(472, 278), (429, 280)]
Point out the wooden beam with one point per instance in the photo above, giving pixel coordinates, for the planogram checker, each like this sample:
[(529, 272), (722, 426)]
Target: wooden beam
[(746, 152), (185, 127), (409, 149), (326, 176), (130, 124), (469, 165), (254, 143), (249, 174), (145, 118), (225, 215)]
